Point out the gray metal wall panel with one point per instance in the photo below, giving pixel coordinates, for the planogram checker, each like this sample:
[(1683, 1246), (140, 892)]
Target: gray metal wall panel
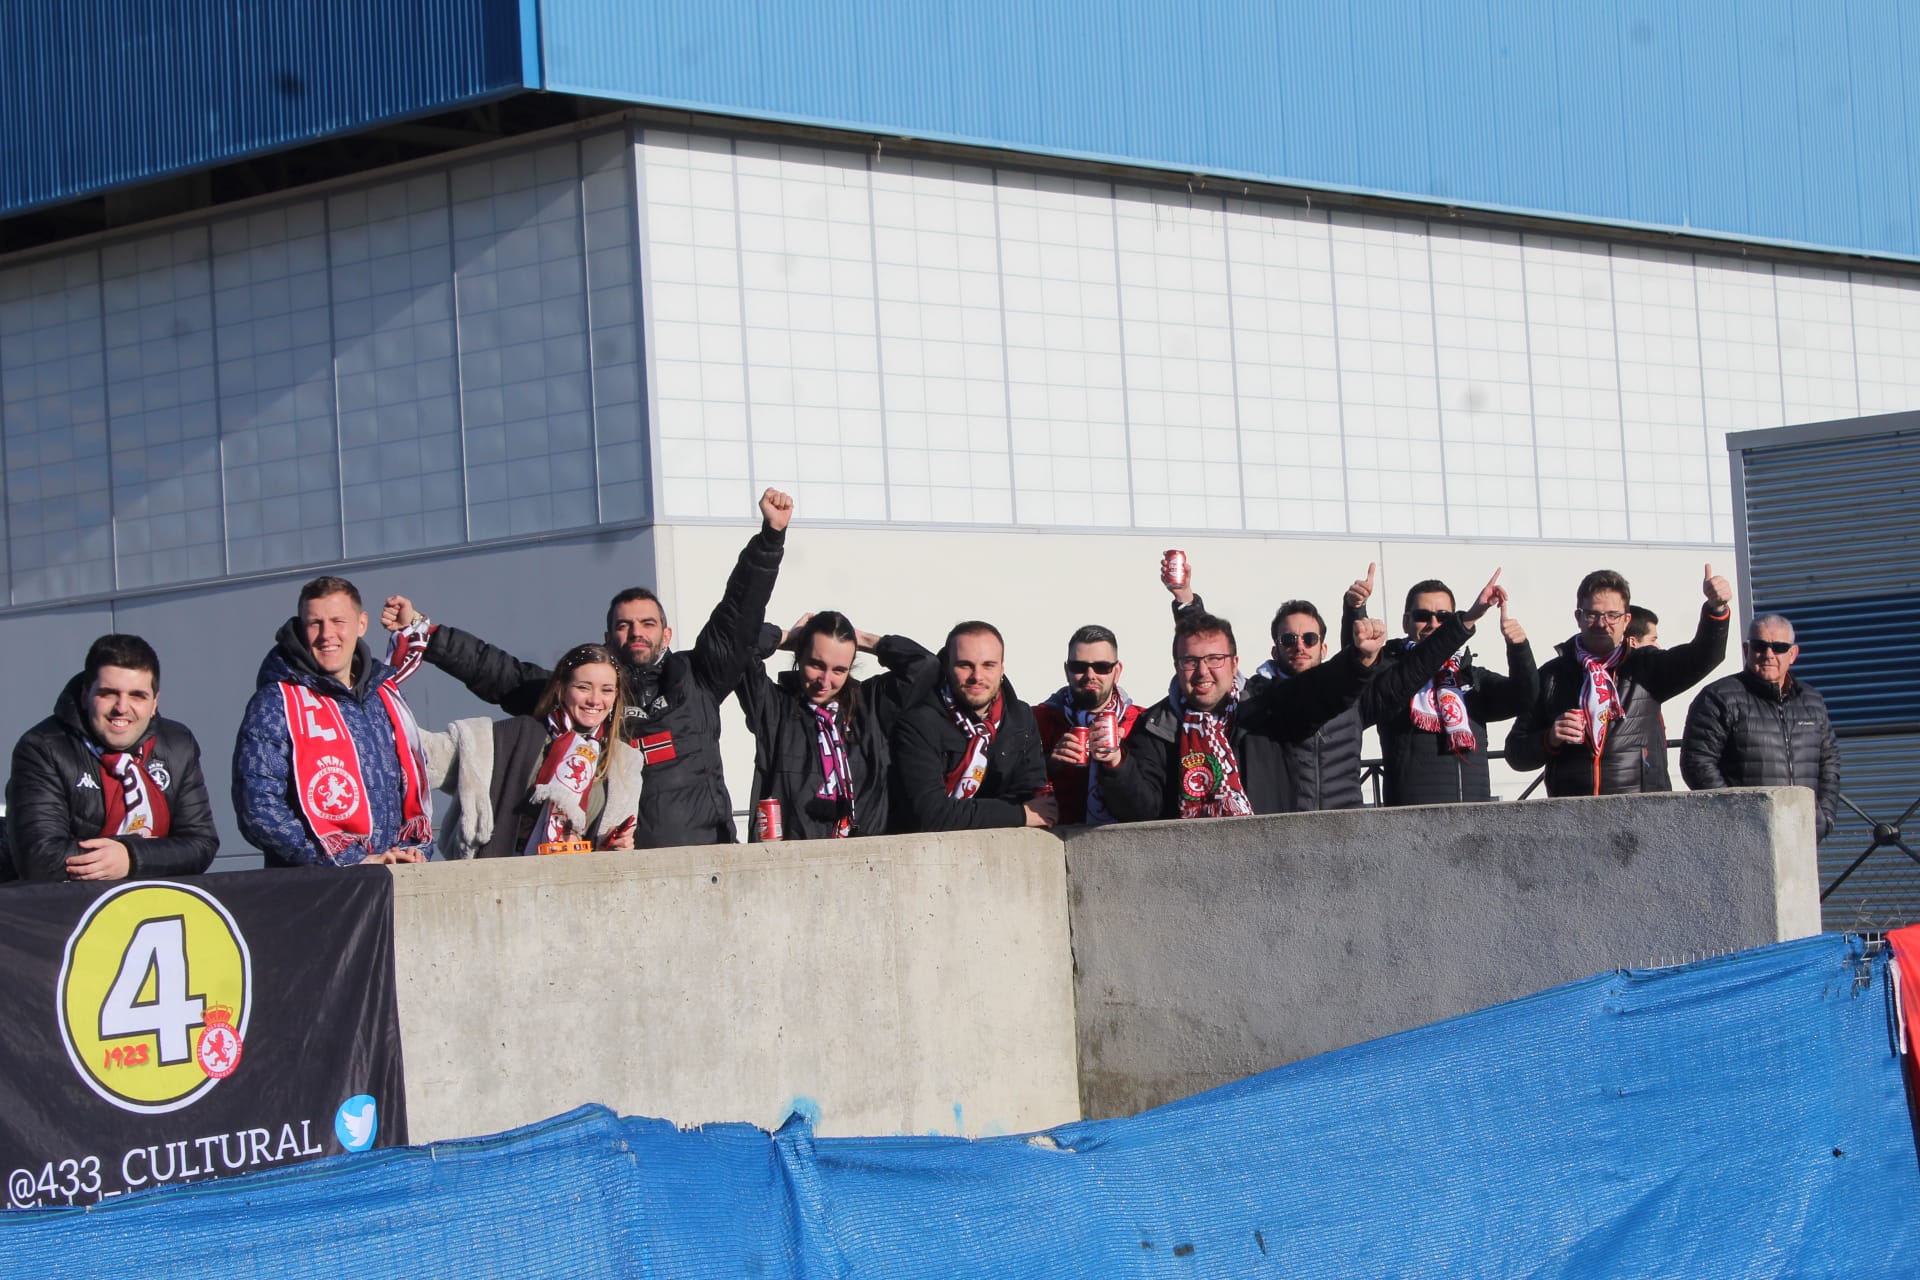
[(1882, 776), (535, 601), (1833, 520)]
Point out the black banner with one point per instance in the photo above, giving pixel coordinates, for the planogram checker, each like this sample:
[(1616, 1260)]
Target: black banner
[(164, 1031)]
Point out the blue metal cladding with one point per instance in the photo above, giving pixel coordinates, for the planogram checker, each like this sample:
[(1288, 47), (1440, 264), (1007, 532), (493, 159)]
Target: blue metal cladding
[(104, 93), (1782, 121)]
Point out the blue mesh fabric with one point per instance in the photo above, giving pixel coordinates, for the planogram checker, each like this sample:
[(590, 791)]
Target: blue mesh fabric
[(1743, 1116)]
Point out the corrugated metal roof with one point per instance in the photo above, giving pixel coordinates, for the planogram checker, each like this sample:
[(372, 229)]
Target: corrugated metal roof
[(1757, 119), (1833, 520), (107, 93)]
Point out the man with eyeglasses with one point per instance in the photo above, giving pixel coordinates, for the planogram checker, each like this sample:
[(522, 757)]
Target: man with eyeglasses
[(1763, 728), (1595, 726), (1075, 762), (1323, 767), (1209, 749), (1433, 743)]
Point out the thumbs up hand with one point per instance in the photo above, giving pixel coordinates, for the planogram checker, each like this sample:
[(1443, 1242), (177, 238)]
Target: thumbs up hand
[(1718, 590)]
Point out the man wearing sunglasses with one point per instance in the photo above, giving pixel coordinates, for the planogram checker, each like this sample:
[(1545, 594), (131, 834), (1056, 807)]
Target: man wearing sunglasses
[(1209, 749), (1434, 742), (1763, 728), (1595, 726), (1093, 687)]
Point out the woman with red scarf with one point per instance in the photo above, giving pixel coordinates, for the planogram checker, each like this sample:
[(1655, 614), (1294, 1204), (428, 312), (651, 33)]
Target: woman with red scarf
[(546, 782)]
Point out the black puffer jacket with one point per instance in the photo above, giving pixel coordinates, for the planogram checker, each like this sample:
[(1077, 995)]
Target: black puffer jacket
[(1422, 767), (786, 750), (927, 746), (1743, 731), (1323, 767), (54, 798), (1635, 754), (1146, 783), (673, 706)]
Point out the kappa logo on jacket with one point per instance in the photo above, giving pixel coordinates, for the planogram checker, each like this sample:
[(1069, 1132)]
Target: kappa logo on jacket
[(86, 782)]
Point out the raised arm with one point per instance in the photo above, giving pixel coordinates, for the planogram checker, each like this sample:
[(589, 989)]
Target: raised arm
[(1498, 697), (911, 673), (1353, 605), (1395, 683), (1666, 673), (727, 641)]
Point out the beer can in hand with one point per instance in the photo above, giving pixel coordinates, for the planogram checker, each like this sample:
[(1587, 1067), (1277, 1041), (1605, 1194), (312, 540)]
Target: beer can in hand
[(1106, 731), (1173, 569), (1081, 735), (766, 821)]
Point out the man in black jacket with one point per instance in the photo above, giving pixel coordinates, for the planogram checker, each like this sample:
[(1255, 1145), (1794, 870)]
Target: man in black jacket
[(968, 757), (105, 788), (1595, 726), (673, 697), (1763, 728), (1433, 744), (1208, 749), (1323, 766)]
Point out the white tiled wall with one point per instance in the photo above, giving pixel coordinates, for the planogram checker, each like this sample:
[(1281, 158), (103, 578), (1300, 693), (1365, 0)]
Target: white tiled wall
[(505, 347), (1160, 359)]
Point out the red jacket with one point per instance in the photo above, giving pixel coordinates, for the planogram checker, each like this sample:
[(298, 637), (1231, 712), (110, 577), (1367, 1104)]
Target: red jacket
[(1055, 716)]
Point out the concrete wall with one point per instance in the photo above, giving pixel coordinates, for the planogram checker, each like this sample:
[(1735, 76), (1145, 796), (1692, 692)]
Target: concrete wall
[(931, 983), (1207, 951), (905, 985)]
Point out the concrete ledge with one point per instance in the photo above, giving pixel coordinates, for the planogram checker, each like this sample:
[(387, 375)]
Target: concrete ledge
[(1207, 951), (902, 985)]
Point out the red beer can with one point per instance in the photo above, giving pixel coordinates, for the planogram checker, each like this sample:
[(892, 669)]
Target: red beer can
[(1173, 569), (1106, 731), (766, 821), (1080, 735)]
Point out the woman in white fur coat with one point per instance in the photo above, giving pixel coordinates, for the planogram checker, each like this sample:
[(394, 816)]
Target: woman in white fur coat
[(547, 779)]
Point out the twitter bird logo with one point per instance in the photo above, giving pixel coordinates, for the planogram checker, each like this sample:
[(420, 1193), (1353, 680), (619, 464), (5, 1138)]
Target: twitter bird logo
[(357, 1122)]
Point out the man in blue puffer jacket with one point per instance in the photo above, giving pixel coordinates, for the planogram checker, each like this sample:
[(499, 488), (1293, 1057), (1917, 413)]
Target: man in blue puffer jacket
[(328, 769)]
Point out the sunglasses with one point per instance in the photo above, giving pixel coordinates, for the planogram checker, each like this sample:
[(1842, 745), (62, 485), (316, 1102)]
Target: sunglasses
[(1772, 646), (1431, 615), (1098, 668), (1302, 640)]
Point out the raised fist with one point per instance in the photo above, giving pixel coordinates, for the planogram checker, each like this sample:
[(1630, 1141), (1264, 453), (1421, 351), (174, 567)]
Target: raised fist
[(1369, 637), (397, 612), (776, 508)]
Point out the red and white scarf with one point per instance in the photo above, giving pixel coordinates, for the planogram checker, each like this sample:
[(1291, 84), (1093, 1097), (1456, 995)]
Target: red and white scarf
[(1598, 697), (966, 778), (835, 767), (1210, 785), (564, 780), (328, 778), (408, 648), (1438, 708), (136, 804)]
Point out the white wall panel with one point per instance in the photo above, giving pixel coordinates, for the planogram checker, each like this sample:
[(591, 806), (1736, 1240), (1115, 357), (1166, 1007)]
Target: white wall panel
[(1486, 391)]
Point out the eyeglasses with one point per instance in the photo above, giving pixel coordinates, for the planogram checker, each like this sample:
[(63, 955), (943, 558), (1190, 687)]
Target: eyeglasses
[(1098, 668), (1780, 647), (1593, 617), (1213, 661), (1300, 640), (1431, 615)]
